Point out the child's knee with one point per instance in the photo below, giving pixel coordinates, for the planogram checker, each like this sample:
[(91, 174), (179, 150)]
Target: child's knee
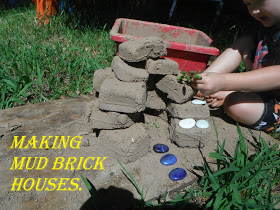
[(244, 107), (233, 103)]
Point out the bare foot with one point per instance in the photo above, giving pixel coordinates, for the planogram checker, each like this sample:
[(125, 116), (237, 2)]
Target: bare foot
[(214, 100), (217, 99)]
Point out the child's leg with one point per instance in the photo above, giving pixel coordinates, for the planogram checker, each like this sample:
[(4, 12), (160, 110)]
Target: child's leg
[(251, 109)]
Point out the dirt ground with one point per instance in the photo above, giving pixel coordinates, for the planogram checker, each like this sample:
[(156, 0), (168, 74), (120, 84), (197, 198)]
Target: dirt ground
[(66, 118)]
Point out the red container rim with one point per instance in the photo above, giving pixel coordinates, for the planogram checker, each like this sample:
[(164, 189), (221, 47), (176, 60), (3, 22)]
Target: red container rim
[(118, 37)]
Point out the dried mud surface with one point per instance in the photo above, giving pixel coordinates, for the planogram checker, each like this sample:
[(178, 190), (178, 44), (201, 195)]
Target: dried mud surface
[(66, 117)]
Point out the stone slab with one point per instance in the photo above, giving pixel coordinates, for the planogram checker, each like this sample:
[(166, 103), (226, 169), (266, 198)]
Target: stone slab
[(125, 97), (163, 66), (127, 73), (100, 75), (97, 119), (154, 101), (179, 93), (126, 145), (193, 137), (187, 110), (141, 49)]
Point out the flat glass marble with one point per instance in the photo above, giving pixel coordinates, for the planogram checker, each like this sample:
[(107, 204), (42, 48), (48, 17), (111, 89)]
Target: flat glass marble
[(177, 174), (160, 148), (168, 159), (197, 101), (187, 123), (202, 124)]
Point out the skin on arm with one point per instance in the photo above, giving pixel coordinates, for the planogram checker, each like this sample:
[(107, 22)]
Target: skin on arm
[(230, 59), (264, 79), (247, 106), (227, 62)]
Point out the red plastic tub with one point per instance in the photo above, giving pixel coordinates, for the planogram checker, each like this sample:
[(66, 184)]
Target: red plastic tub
[(189, 47)]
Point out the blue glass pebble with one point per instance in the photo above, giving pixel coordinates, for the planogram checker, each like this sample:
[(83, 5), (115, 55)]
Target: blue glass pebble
[(160, 148), (177, 174), (168, 159)]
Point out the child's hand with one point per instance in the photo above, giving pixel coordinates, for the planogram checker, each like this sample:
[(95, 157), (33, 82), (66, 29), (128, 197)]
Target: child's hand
[(217, 99), (209, 84)]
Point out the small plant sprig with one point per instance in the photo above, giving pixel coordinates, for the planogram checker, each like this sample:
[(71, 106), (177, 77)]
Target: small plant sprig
[(157, 125), (188, 76)]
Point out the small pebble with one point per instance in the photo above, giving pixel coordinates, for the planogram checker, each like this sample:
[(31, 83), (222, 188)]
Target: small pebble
[(202, 124), (168, 159), (197, 101), (187, 123), (177, 174), (160, 148)]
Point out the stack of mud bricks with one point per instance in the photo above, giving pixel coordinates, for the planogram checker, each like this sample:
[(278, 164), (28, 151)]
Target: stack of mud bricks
[(140, 82)]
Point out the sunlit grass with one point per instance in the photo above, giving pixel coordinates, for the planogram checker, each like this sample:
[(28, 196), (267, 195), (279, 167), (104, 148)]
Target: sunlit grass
[(40, 63)]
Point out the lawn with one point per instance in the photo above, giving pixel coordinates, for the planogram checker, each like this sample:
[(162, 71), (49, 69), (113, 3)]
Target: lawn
[(40, 63)]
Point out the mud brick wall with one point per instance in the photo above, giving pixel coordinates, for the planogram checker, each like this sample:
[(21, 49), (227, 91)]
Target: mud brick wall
[(141, 81)]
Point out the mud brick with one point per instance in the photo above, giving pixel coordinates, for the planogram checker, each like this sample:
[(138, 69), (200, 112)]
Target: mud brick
[(192, 137), (162, 66), (126, 145), (126, 97), (98, 119), (187, 110), (154, 101), (141, 49), (100, 75), (178, 92), (127, 73)]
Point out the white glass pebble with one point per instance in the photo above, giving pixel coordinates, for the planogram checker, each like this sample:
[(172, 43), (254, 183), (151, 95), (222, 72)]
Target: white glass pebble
[(187, 123), (197, 101), (202, 124)]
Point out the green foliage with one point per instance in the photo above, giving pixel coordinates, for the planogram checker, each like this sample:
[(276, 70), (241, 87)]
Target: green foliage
[(242, 181), (187, 76), (157, 125), (274, 133), (40, 63)]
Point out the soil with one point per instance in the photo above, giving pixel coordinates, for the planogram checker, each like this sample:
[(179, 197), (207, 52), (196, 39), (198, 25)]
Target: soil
[(66, 118)]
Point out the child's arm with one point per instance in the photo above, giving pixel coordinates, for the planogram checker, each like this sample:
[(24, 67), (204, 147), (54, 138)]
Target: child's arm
[(230, 59), (264, 79)]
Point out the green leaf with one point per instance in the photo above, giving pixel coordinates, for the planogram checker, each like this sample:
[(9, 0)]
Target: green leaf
[(88, 185), (226, 170), (133, 181), (24, 89), (248, 167), (215, 185), (93, 192), (236, 193), (198, 77), (13, 99), (10, 84), (219, 197), (188, 78)]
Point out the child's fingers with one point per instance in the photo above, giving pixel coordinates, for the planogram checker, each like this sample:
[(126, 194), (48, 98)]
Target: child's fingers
[(199, 94)]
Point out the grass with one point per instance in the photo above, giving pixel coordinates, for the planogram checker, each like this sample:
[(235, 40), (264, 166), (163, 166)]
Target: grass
[(40, 63)]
